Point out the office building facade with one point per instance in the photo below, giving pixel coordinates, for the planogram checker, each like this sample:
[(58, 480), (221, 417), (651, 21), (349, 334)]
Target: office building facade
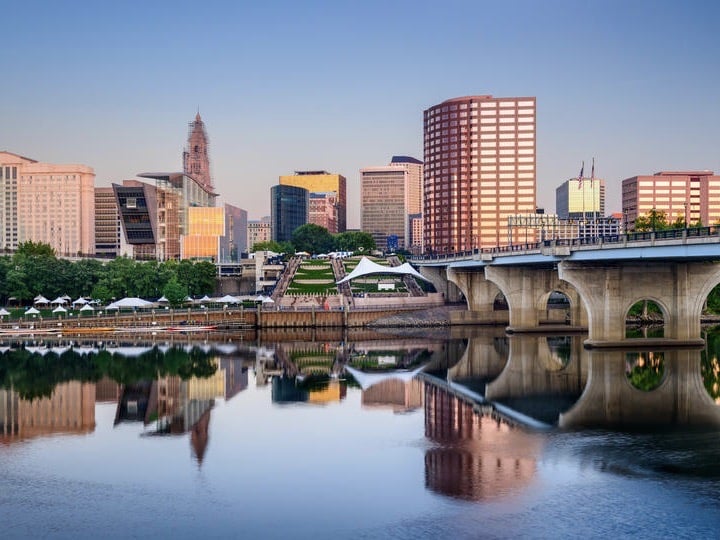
[(258, 230), (480, 169), (323, 182), (49, 203), (289, 209), (389, 196), (693, 196), (109, 238), (580, 199)]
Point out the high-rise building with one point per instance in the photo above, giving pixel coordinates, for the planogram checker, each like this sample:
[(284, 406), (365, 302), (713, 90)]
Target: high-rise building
[(109, 238), (389, 195), (691, 195), (323, 182), (196, 159), (479, 171), (289, 209), (580, 199), (259, 230), (323, 210), (49, 203)]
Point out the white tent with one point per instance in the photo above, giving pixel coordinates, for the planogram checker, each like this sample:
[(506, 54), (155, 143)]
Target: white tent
[(87, 307), (367, 267), (130, 303), (40, 299), (228, 299), (80, 302), (162, 300), (205, 298), (60, 300), (32, 311), (59, 309), (268, 300), (4, 312), (366, 380)]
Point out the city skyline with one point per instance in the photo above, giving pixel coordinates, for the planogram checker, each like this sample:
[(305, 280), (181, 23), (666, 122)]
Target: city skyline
[(320, 86)]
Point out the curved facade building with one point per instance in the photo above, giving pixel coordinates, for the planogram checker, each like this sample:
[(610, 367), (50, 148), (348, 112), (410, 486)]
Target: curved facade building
[(479, 171)]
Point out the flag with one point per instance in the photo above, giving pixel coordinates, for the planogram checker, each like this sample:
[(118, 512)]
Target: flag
[(580, 178), (592, 173)]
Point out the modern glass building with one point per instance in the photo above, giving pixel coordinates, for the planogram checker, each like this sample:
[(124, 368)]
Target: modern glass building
[(289, 209), (327, 183), (580, 199)]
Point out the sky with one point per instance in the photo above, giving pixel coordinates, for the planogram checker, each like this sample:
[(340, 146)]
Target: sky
[(341, 85)]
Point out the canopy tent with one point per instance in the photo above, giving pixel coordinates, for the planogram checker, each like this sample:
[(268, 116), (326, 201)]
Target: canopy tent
[(130, 303), (228, 299), (4, 312), (60, 300), (268, 300), (79, 302), (366, 380), (32, 311), (367, 267), (162, 300), (40, 299), (59, 309), (205, 298), (87, 307)]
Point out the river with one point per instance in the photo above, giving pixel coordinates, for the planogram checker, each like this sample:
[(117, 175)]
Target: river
[(462, 433)]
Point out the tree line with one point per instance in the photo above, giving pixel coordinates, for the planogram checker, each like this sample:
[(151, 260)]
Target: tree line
[(315, 239), (34, 269)]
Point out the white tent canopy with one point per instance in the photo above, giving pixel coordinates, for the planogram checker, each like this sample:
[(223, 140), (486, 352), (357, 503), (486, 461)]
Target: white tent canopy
[(228, 299), (40, 299), (4, 312), (162, 299), (87, 307), (80, 302), (366, 267), (59, 309), (60, 300), (130, 303), (366, 380), (32, 311)]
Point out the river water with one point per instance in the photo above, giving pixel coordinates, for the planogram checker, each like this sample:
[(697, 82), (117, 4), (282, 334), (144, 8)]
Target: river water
[(443, 434)]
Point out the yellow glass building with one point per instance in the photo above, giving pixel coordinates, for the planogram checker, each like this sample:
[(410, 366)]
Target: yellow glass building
[(205, 227), (323, 182)]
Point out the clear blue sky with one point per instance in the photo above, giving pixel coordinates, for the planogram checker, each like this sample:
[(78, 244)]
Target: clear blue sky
[(340, 85)]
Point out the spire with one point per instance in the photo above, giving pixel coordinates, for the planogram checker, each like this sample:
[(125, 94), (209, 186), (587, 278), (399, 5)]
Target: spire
[(196, 160)]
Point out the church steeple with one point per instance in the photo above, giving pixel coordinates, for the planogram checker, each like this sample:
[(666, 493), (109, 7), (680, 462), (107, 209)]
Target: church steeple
[(196, 160)]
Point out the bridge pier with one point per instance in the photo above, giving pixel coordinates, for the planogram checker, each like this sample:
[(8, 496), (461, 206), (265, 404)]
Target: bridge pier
[(438, 277), (527, 290), (610, 401), (480, 295), (609, 291)]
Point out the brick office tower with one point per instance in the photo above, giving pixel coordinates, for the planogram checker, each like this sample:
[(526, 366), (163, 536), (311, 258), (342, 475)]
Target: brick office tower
[(196, 160), (479, 171)]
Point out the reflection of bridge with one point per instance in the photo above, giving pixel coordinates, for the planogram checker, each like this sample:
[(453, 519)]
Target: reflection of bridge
[(609, 400), (602, 282)]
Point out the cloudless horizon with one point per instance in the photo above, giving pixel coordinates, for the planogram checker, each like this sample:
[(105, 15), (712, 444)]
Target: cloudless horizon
[(337, 86)]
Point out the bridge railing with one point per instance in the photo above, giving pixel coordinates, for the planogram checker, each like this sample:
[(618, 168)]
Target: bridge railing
[(614, 239)]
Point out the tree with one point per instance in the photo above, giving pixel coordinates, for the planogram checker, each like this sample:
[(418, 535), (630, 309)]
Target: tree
[(353, 240), (653, 220), (272, 245), (32, 249), (312, 238), (175, 292)]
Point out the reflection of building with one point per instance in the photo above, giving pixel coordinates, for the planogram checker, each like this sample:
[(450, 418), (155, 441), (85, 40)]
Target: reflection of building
[(236, 376), (400, 395), (70, 409), (107, 390), (45, 202), (389, 196), (289, 207), (479, 170), (689, 195), (478, 456), (326, 183)]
